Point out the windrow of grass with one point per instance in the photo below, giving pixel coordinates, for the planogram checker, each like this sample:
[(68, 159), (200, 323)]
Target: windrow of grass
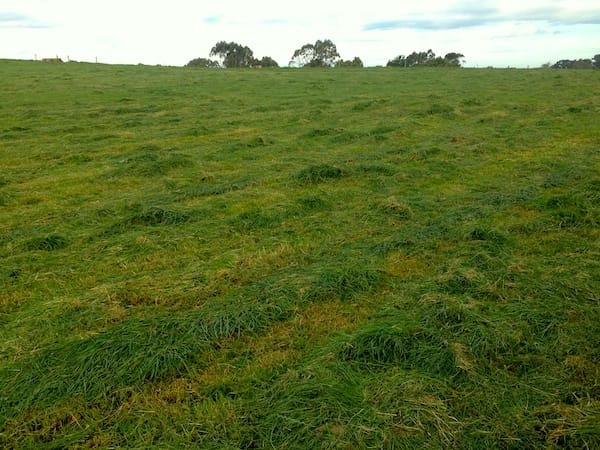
[(288, 258)]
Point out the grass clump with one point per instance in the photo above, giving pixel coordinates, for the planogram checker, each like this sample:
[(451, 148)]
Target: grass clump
[(155, 216), (441, 109), (345, 284), (129, 354), (310, 406), (484, 234), (318, 174), (575, 209), (210, 190), (312, 202), (411, 347), (47, 243), (441, 311), (460, 281), (152, 161), (318, 132), (396, 209), (255, 219)]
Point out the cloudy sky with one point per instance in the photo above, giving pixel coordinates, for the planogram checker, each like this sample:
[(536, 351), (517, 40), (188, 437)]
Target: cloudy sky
[(516, 33)]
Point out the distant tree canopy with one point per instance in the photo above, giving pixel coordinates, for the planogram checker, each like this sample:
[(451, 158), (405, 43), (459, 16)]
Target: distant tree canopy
[(454, 59), (427, 58), (320, 54), (356, 62), (203, 62), (593, 63), (324, 54), (267, 61), (233, 54)]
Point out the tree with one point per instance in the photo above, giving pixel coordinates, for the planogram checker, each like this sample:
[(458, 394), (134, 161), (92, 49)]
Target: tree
[(320, 54), (356, 62), (437, 61), (563, 64), (428, 59), (574, 64), (203, 62), (454, 59), (420, 58), (583, 64), (414, 59), (398, 61), (233, 54), (596, 60), (266, 61)]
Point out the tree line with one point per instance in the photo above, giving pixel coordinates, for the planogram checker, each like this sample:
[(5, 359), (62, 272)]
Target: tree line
[(232, 54), (323, 53), (427, 58), (585, 63)]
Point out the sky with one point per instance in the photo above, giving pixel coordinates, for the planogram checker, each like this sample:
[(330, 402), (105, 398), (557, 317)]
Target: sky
[(499, 33)]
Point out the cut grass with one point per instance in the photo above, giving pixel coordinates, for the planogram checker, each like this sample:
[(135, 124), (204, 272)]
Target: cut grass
[(334, 259)]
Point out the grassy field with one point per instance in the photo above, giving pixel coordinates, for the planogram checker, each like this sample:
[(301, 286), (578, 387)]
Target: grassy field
[(352, 259)]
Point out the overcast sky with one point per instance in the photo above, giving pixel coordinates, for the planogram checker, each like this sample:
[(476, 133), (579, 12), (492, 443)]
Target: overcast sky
[(516, 33)]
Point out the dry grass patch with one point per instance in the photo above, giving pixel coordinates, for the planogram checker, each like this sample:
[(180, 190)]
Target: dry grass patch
[(407, 267)]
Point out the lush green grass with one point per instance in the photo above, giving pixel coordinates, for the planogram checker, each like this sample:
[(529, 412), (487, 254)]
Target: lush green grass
[(283, 258)]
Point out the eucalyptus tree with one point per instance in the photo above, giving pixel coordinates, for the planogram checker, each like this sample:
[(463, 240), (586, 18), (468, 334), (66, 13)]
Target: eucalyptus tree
[(320, 54), (233, 54)]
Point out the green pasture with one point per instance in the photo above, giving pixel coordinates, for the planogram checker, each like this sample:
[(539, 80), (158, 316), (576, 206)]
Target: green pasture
[(299, 258)]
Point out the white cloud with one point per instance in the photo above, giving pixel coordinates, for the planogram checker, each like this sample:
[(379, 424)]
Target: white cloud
[(501, 33)]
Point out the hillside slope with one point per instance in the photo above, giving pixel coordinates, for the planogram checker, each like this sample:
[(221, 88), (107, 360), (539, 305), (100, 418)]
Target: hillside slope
[(370, 258)]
